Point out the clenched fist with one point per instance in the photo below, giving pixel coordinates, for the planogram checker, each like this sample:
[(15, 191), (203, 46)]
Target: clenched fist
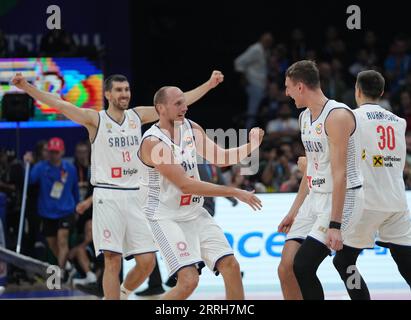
[(19, 81), (216, 78), (256, 135)]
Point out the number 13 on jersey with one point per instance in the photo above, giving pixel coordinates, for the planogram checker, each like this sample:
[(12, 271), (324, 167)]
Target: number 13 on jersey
[(126, 156)]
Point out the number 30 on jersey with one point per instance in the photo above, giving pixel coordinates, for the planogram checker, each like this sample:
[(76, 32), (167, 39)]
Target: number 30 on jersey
[(387, 137)]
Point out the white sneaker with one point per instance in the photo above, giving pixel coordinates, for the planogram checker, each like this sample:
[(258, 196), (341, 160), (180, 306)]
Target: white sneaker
[(2, 289), (124, 293), (90, 277), (68, 265)]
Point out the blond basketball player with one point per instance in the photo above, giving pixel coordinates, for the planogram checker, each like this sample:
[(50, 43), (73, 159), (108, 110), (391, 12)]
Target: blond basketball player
[(119, 226), (332, 146), (186, 234)]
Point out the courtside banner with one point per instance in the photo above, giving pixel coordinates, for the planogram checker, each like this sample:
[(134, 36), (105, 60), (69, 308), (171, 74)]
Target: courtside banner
[(257, 246)]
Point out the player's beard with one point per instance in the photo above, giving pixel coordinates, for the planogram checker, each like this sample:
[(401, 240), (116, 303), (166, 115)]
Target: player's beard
[(118, 104)]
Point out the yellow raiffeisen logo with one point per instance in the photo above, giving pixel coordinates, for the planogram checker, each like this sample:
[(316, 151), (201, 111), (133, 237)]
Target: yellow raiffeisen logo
[(385, 161), (377, 161)]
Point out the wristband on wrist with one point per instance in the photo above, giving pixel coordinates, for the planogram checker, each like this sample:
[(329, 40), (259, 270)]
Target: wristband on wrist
[(334, 225)]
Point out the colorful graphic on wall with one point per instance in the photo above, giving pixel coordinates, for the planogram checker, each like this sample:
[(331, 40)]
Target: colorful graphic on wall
[(76, 80)]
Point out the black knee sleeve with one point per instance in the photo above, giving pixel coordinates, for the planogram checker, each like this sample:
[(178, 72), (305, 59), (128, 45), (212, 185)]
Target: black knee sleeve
[(344, 261), (345, 258), (402, 257), (306, 262)]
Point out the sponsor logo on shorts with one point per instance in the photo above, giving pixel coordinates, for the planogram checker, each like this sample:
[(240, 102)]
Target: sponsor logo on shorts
[(116, 172), (182, 246), (380, 161), (185, 200), (322, 229)]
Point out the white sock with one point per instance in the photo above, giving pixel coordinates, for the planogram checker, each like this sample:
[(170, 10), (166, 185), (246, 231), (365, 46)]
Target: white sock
[(124, 292)]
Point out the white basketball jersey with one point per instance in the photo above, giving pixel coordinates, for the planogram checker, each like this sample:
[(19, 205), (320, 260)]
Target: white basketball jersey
[(114, 159), (317, 149), (165, 200), (383, 158)]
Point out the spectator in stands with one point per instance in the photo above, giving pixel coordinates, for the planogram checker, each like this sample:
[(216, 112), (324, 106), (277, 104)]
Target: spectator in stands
[(84, 250), (396, 96), (361, 63), (271, 104), (397, 64), (11, 183), (280, 53), (240, 181), (292, 184), (211, 173), (33, 244), (82, 164), (252, 64), (332, 40), (370, 46), (273, 171), (298, 46), (333, 86), (57, 199), (284, 127), (405, 108)]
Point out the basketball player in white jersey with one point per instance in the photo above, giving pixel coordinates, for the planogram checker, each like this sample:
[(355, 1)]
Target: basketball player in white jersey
[(385, 205), (331, 140), (119, 226), (186, 234)]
